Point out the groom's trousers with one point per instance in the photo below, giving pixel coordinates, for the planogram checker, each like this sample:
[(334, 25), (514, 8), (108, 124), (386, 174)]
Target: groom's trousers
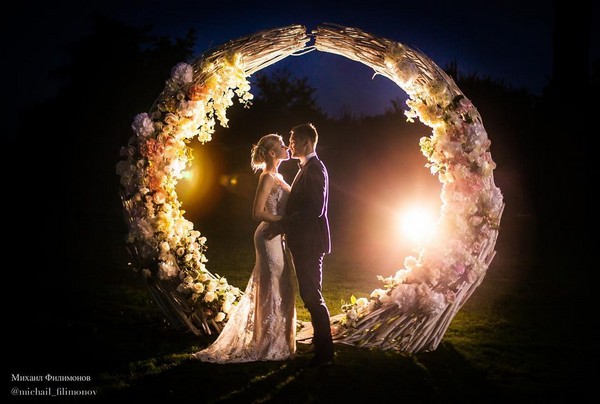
[(309, 271)]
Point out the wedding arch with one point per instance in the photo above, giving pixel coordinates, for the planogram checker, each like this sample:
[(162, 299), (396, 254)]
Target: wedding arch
[(414, 306)]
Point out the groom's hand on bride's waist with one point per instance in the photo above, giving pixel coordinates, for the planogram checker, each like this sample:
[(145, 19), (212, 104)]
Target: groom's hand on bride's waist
[(272, 230)]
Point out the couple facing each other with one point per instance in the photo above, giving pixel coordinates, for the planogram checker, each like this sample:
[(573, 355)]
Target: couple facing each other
[(262, 327)]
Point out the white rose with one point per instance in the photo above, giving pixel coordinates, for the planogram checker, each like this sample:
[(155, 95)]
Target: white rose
[(220, 317), (401, 275), (376, 294), (198, 287), (209, 297), (410, 263), (212, 286), (362, 302)]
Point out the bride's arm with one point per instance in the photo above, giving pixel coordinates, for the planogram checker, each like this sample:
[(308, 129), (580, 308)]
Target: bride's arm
[(259, 212), (287, 187)]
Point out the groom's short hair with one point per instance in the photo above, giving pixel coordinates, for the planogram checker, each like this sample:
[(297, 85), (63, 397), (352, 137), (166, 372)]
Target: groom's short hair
[(306, 131)]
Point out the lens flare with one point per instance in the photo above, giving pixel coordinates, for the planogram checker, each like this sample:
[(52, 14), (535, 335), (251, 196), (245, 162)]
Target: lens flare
[(416, 224)]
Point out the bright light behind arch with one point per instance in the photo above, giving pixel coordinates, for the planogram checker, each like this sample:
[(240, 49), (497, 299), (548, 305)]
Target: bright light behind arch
[(416, 223), (198, 189)]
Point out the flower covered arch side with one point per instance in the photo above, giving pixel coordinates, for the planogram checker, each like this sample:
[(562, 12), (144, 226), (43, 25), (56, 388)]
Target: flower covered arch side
[(415, 306)]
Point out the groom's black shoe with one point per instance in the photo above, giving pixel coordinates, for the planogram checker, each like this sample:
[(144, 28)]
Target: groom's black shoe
[(305, 349)]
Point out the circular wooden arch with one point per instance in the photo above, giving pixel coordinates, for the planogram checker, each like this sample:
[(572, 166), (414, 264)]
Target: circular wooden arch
[(414, 307)]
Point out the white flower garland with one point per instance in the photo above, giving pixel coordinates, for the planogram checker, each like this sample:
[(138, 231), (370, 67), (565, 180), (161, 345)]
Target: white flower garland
[(156, 156), (415, 306)]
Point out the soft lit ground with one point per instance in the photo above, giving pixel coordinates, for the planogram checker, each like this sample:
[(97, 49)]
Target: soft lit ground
[(513, 341)]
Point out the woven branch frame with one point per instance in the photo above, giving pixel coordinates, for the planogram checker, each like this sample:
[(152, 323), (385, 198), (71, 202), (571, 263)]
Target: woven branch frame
[(415, 308)]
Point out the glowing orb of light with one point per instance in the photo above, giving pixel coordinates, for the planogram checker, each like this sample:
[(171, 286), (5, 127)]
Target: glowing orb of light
[(416, 224)]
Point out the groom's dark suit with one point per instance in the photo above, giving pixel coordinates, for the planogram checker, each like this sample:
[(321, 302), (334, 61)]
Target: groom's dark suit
[(306, 229)]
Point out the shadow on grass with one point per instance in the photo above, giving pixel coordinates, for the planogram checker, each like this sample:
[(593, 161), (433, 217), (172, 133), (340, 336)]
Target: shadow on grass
[(358, 375)]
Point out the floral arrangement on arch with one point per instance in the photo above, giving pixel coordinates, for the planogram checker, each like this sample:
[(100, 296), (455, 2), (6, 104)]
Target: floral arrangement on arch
[(167, 246), (413, 308), (458, 153)]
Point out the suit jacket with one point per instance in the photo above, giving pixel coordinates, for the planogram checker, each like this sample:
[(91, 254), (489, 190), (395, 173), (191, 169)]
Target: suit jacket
[(305, 224)]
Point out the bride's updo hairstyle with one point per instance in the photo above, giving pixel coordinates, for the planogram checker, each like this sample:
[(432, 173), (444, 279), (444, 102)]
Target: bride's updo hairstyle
[(258, 154)]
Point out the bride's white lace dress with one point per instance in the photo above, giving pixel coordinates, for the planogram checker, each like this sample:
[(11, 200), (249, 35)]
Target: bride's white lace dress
[(262, 327)]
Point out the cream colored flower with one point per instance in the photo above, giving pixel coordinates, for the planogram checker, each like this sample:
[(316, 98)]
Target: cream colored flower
[(198, 287), (212, 285), (410, 263), (166, 270)]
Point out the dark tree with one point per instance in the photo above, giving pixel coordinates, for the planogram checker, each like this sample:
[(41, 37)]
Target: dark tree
[(71, 208), (282, 100)]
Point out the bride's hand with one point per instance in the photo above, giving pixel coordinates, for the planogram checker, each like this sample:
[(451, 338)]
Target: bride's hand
[(279, 179)]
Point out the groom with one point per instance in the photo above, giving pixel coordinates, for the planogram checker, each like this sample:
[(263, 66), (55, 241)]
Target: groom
[(306, 229)]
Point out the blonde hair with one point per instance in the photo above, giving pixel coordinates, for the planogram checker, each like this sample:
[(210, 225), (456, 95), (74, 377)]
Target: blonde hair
[(258, 154)]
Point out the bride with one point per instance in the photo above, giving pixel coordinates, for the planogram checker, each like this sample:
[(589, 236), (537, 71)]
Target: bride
[(262, 327)]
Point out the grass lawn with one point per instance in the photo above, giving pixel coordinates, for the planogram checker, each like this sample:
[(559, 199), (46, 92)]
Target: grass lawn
[(515, 340)]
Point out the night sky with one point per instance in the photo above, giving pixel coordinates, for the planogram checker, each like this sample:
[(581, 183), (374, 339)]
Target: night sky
[(505, 40)]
